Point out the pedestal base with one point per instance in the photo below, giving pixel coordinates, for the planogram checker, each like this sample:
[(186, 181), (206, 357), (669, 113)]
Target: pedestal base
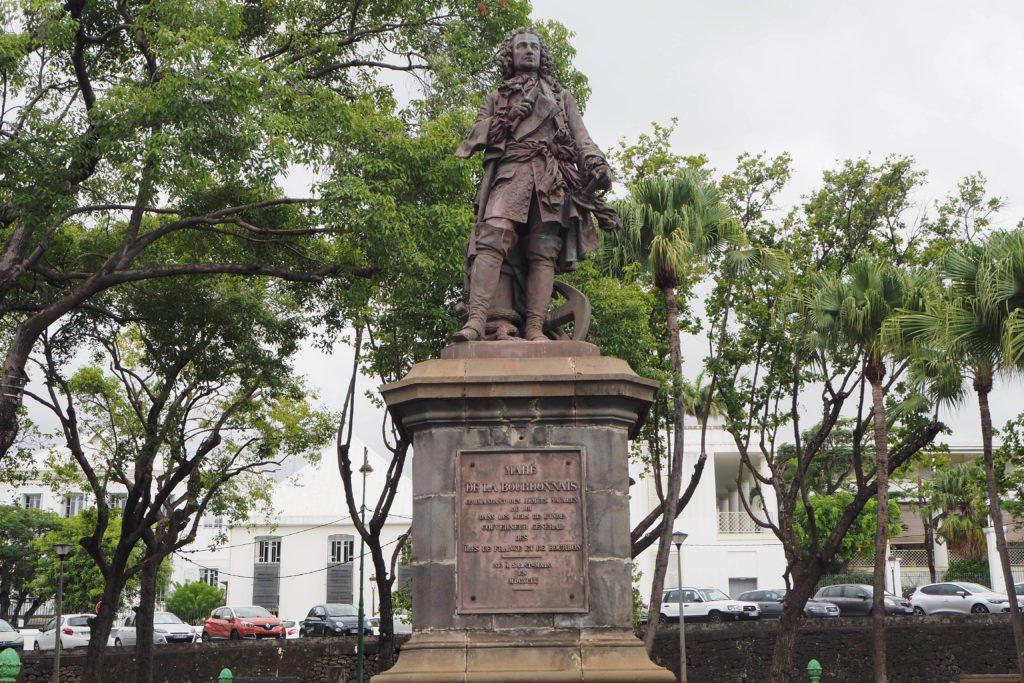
[(521, 558), (473, 657)]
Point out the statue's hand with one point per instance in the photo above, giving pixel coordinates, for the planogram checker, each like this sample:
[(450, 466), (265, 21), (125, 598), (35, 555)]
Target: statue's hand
[(600, 177), (519, 111)]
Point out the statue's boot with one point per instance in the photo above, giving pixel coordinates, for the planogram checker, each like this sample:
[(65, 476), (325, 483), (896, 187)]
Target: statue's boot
[(539, 285), (483, 280)]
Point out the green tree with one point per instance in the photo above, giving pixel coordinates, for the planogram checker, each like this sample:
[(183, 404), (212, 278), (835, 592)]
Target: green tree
[(852, 311), (196, 395), (859, 539), (956, 501), (973, 324), (832, 469), (19, 560), (670, 225), (157, 139), (772, 367), (84, 583), (193, 601)]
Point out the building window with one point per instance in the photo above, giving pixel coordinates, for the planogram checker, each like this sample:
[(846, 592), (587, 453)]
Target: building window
[(116, 501), (212, 521), (268, 550), (210, 576), (342, 548), (32, 500), (73, 504)]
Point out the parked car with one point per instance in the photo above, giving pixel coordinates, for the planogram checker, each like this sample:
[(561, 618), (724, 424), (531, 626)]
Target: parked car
[(706, 604), (958, 597), (235, 623), (167, 628), (292, 628), (855, 599), (10, 638), (770, 603), (74, 632), (1018, 588), (400, 623), (334, 620)]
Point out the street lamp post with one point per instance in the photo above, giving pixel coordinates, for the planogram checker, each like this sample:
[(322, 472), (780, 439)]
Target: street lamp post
[(677, 539), (364, 470), (892, 574), (62, 550)]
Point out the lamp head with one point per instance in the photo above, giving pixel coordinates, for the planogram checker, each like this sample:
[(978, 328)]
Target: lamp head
[(62, 549), (678, 537), (366, 469)]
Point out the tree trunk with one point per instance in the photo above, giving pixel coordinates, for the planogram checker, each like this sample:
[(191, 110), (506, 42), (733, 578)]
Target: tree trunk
[(983, 385), (144, 623), (92, 668), (668, 293), (781, 670), (875, 375), (386, 609)]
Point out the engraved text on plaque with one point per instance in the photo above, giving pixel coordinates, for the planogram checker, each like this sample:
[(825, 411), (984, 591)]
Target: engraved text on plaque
[(522, 546)]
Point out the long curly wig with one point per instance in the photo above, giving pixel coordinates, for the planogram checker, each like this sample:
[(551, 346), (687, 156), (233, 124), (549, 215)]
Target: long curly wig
[(505, 60)]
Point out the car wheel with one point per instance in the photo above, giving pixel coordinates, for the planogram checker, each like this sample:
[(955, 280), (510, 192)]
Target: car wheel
[(715, 617), (235, 635), (979, 609), (667, 619), (117, 642), (205, 637), (918, 611)]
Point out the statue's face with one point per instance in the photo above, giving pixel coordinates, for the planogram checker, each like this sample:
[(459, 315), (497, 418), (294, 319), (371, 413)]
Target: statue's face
[(526, 52)]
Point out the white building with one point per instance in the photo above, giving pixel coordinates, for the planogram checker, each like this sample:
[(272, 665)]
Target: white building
[(305, 550), (724, 548)]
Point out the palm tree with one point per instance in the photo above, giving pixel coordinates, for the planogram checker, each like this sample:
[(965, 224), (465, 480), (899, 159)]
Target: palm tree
[(956, 503), (849, 312), (671, 225), (978, 323)]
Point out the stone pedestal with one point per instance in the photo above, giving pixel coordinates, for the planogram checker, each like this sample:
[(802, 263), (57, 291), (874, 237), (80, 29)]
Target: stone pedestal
[(521, 553)]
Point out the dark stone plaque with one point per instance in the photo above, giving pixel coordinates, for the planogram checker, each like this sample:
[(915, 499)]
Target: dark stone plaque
[(522, 545)]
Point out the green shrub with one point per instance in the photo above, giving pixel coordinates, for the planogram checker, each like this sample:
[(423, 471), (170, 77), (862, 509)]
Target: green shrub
[(194, 601), (976, 571)]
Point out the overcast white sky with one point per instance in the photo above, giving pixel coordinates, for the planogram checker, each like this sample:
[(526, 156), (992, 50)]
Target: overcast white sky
[(824, 81), (936, 79)]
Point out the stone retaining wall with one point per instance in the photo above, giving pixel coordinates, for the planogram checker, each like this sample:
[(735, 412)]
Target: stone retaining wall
[(921, 650)]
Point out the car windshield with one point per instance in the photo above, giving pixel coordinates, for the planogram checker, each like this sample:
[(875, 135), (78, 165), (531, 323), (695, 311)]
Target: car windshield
[(341, 611), (288, 623), (5, 627), (710, 594), (166, 618), (252, 612), (78, 621), (975, 588)]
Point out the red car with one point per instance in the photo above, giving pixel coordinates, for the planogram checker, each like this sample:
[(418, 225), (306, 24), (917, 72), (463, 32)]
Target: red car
[(235, 623)]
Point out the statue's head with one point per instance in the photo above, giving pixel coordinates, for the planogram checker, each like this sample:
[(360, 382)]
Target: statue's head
[(524, 51)]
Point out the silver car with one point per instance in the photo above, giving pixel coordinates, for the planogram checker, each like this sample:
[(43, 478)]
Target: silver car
[(958, 597), (167, 628)]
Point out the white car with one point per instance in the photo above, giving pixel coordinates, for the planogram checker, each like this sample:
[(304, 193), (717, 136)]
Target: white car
[(10, 638), (167, 628), (706, 604), (958, 597), (401, 623), (292, 628), (74, 632)]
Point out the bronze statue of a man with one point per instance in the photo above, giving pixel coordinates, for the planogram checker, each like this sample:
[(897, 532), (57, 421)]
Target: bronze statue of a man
[(537, 199)]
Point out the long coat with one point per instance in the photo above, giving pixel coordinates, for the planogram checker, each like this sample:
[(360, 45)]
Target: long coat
[(545, 155)]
